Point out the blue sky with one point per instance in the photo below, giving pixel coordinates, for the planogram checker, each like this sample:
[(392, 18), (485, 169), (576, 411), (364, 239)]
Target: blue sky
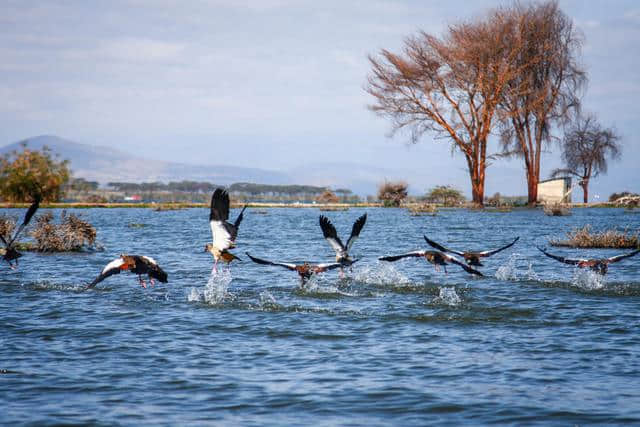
[(275, 84)]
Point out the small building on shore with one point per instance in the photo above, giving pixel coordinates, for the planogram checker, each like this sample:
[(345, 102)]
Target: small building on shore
[(556, 190)]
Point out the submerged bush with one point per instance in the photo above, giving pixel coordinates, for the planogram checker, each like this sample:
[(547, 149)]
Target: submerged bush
[(7, 225), (423, 209), (585, 238), (556, 209), (71, 234)]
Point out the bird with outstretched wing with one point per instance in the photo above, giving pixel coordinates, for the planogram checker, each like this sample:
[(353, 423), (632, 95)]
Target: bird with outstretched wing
[(10, 253), (470, 257)]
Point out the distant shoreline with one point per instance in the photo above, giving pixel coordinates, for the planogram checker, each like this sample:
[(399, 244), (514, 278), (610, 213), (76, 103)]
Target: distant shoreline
[(263, 205)]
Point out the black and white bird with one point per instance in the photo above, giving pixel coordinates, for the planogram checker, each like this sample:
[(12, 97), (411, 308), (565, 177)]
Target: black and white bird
[(434, 257), (342, 250), (599, 265), (224, 233), (10, 254), (304, 270), (470, 257), (138, 264)]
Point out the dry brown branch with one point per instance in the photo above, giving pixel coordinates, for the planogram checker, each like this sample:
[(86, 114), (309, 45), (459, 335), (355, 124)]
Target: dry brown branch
[(585, 238), (7, 225), (71, 234)]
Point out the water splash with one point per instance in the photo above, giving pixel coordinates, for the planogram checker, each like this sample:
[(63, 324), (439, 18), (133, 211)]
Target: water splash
[(448, 296), (268, 301), (381, 274), (215, 291), (588, 279), (511, 270), (531, 274)]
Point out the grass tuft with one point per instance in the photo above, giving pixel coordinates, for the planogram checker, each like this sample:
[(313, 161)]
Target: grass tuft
[(70, 235), (585, 238)]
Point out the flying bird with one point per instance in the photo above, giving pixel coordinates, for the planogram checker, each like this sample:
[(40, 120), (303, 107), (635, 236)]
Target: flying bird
[(434, 257), (10, 253), (342, 250), (138, 264), (224, 233), (471, 258), (599, 265), (304, 270)]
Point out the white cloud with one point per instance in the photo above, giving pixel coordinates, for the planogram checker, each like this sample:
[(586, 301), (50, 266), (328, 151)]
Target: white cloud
[(140, 50)]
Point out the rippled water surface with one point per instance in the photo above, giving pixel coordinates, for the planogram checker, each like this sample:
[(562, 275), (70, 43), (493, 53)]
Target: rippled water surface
[(535, 341)]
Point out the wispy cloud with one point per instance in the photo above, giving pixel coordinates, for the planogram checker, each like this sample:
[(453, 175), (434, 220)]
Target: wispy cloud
[(140, 50)]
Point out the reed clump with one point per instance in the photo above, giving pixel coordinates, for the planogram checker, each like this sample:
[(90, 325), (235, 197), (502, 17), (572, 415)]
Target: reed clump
[(423, 209), (7, 225), (71, 234), (556, 209), (585, 238)]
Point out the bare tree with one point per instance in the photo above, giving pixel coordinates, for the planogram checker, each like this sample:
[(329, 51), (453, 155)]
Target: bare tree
[(586, 147), (547, 90), (449, 86)]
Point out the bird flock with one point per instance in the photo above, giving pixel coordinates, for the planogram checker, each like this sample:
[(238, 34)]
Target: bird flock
[(224, 236)]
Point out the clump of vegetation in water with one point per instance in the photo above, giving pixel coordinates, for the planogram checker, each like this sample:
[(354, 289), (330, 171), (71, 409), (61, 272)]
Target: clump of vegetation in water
[(7, 225), (71, 234), (585, 238), (137, 225), (556, 209), (423, 209)]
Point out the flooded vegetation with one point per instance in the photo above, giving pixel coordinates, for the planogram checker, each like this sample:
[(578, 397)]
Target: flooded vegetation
[(586, 238), (70, 234)]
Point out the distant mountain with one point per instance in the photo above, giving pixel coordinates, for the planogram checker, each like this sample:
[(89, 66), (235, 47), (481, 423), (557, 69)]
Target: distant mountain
[(103, 164)]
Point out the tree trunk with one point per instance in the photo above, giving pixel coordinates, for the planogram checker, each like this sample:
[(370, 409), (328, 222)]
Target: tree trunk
[(476, 174), (477, 192), (532, 188), (585, 190)]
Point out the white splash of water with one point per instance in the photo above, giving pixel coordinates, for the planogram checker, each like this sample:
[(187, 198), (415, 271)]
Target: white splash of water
[(511, 271), (194, 295), (267, 300), (215, 291), (448, 296), (531, 274), (381, 274), (587, 279)]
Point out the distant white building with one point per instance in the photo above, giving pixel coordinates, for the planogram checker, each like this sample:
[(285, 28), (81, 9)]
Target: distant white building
[(555, 190)]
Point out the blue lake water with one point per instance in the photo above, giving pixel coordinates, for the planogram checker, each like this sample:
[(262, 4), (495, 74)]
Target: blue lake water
[(533, 342)]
